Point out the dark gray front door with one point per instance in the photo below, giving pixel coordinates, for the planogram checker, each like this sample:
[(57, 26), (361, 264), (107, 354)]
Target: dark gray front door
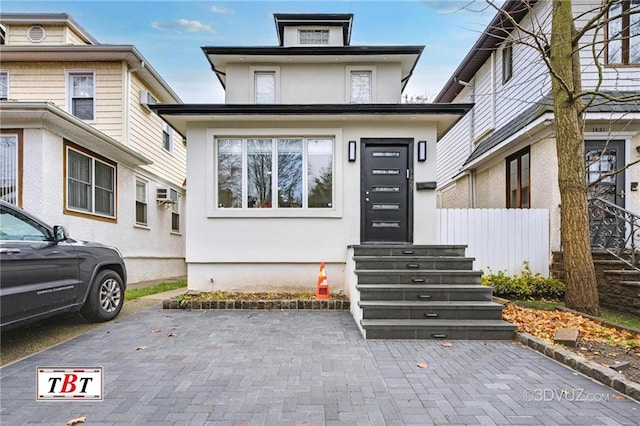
[(602, 159), (386, 215)]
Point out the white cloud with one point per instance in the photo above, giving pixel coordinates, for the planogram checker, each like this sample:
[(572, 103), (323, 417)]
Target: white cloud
[(222, 10), (183, 24)]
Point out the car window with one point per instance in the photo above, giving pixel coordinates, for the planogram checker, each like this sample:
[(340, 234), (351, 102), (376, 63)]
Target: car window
[(14, 226)]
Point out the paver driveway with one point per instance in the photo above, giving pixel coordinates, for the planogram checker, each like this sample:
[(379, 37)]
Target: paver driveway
[(302, 367)]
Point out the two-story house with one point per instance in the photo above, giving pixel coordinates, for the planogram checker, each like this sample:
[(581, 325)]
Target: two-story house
[(503, 153), (80, 146), (311, 152)]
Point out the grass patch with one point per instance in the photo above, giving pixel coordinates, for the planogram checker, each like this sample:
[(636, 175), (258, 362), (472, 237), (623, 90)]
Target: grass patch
[(136, 293), (545, 305), (620, 318)]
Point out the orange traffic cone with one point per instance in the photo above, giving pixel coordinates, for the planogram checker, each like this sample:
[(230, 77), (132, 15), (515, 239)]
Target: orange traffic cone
[(322, 290)]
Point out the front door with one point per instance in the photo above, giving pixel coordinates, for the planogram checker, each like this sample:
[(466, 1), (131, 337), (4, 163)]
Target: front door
[(603, 159), (386, 211)]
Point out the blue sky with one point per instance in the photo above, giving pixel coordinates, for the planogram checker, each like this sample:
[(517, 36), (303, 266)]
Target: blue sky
[(169, 34)]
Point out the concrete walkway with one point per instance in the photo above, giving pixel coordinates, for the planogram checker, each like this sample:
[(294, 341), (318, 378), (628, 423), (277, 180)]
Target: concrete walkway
[(302, 368)]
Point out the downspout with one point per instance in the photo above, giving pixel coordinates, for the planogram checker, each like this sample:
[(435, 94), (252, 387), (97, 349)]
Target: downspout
[(127, 107), (493, 89)]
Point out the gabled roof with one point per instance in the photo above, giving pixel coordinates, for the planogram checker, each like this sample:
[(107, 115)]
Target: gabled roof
[(495, 33), (343, 20), (46, 18), (545, 105), (220, 57)]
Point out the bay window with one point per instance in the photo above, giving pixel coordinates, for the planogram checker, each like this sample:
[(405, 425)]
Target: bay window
[(274, 173)]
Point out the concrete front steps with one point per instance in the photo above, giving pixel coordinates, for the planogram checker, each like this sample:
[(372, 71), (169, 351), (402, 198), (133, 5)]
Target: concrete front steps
[(425, 292)]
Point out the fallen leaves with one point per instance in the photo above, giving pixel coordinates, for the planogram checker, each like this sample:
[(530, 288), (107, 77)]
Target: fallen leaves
[(544, 324), (447, 345), (77, 420), (422, 364), (142, 348)]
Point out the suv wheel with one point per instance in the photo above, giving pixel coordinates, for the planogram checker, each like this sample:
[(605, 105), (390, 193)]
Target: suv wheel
[(105, 297)]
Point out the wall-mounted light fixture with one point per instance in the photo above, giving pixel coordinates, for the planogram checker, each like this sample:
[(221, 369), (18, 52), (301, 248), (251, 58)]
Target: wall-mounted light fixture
[(352, 151), (422, 150)]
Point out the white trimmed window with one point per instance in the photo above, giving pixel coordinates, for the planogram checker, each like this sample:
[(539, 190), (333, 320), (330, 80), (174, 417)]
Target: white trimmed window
[(275, 173), (4, 85), (91, 184), (315, 36), (9, 168), (175, 215), (141, 202), (81, 86), (265, 87), (623, 33), (167, 139), (507, 62)]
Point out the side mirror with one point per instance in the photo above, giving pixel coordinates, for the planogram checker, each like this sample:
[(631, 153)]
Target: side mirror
[(60, 234)]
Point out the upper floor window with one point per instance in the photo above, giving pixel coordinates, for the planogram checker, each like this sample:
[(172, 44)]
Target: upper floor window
[(518, 173), (91, 184), (141, 202), (167, 139), (282, 173), (9, 168), (265, 87), (3, 34), (507, 61), (4, 85), (360, 87), (81, 95), (313, 36), (623, 33)]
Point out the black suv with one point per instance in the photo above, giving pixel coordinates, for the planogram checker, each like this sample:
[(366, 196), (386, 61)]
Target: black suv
[(43, 272)]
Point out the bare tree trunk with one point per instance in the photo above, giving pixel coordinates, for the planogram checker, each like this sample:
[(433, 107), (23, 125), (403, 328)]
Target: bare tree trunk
[(582, 290)]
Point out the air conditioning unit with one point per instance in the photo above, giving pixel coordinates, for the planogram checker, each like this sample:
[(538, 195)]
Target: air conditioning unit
[(166, 196), (147, 99)]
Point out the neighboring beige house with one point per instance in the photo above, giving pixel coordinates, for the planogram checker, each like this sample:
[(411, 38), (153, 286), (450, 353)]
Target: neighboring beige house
[(80, 147), (288, 172), (503, 154)]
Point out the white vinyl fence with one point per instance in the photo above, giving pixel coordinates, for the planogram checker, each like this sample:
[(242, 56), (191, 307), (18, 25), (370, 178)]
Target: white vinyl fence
[(499, 239)]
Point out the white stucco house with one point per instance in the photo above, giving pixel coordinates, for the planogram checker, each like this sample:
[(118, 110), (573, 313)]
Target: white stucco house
[(80, 147), (287, 173), (503, 153)]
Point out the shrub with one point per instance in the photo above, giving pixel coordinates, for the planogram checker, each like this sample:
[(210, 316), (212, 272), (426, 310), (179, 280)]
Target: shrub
[(527, 285)]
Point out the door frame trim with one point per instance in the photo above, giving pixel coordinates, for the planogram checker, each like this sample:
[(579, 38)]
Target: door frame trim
[(408, 142)]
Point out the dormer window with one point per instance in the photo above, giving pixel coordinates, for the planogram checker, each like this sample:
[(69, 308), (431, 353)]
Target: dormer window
[(313, 36)]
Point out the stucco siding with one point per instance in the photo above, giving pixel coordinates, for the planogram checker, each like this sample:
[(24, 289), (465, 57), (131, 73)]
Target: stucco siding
[(456, 195), (292, 240), (313, 83)]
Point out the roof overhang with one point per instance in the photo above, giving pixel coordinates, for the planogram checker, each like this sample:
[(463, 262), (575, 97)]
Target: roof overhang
[(181, 116), (24, 115), (94, 53), (407, 56), (47, 19), (494, 34)]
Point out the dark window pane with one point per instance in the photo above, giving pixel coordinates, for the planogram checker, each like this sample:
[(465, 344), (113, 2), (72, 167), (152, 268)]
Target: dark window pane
[(83, 108)]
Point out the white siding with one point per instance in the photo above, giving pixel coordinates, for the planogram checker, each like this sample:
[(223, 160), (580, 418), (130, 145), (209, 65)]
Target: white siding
[(453, 151)]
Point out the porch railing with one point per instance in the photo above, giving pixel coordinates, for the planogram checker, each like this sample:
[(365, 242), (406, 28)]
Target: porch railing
[(615, 230)]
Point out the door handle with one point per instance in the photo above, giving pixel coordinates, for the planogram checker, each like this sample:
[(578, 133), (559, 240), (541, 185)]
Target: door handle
[(622, 194), (9, 250)]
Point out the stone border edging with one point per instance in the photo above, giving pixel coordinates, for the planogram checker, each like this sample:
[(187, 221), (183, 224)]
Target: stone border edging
[(598, 372), (325, 305)]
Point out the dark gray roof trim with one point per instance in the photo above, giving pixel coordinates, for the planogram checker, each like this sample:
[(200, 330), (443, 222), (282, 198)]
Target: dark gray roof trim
[(495, 33), (343, 20), (307, 109), (315, 50), (544, 105)]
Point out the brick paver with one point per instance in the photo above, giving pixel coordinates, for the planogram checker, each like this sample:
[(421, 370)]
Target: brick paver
[(303, 368)]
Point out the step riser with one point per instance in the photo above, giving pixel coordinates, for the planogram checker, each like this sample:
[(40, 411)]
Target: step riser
[(418, 278), (467, 313), (430, 265), (409, 251), (482, 294), (439, 333)]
